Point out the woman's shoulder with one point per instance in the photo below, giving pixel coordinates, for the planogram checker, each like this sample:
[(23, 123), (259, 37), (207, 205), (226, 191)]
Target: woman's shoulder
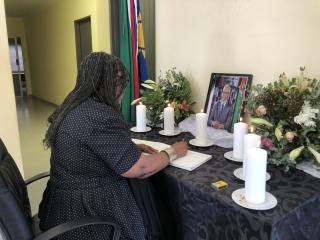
[(95, 107), (97, 113), (91, 116)]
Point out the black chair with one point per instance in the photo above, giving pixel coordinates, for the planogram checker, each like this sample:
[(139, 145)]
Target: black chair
[(16, 222)]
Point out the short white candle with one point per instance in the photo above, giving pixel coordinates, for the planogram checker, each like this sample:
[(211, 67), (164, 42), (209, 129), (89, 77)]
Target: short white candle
[(255, 179), (251, 140), (201, 127), (240, 130), (141, 120), (168, 122)]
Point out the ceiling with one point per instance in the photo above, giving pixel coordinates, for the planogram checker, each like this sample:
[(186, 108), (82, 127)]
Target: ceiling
[(23, 8)]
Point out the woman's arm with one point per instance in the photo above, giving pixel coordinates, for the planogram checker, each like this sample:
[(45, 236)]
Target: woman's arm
[(151, 164), (146, 148)]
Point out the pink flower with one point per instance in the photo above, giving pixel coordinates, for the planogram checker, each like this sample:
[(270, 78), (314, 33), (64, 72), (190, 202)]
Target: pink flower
[(267, 144), (184, 106), (261, 111)]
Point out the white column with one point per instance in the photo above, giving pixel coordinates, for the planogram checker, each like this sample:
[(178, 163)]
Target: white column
[(141, 119), (201, 127), (251, 140), (255, 178), (240, 130), (168, 122)]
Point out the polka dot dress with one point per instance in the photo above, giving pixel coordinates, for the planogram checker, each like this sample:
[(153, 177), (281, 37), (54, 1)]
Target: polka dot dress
[(91, 151)]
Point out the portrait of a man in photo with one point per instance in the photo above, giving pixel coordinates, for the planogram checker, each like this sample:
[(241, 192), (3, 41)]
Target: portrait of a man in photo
[(225, 99), (222, 110)]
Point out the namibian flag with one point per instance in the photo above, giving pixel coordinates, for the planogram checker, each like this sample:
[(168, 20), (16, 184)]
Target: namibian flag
[(143, 70), (132, 53)]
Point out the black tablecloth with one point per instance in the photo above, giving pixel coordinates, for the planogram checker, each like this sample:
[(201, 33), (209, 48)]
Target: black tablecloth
[(202, 212)]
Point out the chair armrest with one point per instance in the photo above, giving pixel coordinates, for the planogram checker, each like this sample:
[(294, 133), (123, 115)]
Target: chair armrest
[(37, 177), (66, 227)]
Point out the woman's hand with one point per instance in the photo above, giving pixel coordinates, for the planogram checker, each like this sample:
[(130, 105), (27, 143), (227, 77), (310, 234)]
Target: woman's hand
[(149, 165), (147, 149), (181, 148), (217, 125)]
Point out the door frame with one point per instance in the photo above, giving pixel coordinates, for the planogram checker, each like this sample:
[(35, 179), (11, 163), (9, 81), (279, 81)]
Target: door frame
[(78, 38)]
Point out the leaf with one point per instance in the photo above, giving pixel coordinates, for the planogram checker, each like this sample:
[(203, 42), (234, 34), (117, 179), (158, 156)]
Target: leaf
[(295, 153), (278, 134), (315, 154), (261, 121), (149, 81), (134, 102), (147, 86)]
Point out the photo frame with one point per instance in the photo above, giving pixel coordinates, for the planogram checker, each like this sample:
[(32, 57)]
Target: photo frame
[(225, 99)]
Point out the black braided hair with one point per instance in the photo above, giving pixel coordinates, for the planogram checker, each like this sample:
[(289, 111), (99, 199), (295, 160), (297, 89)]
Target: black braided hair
[(101, 76)]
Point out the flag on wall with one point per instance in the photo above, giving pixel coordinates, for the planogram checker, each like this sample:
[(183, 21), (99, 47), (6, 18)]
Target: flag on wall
[(132, 53), (143, 70), (133, 27), (126, 58)]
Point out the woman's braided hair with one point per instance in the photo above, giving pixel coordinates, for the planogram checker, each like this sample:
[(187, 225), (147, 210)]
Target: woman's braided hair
[(102, 77)]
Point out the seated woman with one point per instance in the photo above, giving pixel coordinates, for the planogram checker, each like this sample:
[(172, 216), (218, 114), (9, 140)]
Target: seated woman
[(96, 170)]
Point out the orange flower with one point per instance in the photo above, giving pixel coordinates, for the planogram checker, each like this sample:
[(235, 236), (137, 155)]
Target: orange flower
[(173, 104), (184, 106)]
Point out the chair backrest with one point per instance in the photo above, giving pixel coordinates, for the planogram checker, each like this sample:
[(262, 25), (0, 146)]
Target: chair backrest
[(15, 211)]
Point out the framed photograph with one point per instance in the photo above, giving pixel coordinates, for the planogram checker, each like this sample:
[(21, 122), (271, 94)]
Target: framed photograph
[(224, 103)]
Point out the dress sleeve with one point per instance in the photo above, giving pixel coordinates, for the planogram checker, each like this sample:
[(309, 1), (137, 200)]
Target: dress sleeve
[(111, 141)]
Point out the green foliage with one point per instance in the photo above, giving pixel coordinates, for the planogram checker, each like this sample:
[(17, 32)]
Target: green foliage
[(173, 88), (284, 100), (155, 103)]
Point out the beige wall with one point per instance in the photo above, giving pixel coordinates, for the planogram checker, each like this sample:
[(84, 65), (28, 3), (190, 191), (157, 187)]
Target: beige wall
[(264, 37), (51, 44), (16, 28), (8, 120), (103, 26)]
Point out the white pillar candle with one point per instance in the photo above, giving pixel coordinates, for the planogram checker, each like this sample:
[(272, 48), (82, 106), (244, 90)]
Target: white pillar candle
[(141, 119), (240, 130), (201, 127), (255, 179), (168, 122), (250, 141)]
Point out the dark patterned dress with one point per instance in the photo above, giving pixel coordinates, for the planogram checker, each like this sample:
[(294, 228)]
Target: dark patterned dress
[(91, 151)]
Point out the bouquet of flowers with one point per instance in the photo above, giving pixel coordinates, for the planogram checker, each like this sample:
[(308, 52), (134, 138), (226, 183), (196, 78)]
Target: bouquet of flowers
[(173, 88), (286, 113)]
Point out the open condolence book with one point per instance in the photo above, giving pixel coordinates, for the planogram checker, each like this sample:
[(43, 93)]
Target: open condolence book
[(189, 162)]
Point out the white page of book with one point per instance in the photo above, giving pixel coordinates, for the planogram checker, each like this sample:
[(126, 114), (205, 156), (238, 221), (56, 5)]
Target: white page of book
[(189, 162)]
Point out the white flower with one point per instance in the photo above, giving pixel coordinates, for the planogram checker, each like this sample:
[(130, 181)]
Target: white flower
[(290, 136), (161, 116), (307, 115), (261, 111)]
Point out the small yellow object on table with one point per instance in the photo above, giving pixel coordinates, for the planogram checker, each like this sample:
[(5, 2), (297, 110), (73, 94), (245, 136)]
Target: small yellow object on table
[(219, 184)]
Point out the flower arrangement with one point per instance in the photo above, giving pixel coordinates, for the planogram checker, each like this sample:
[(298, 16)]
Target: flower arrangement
[(173, 88), (286, 113)]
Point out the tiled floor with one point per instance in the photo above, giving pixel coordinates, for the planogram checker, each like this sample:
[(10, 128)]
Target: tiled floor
[(32, 119)]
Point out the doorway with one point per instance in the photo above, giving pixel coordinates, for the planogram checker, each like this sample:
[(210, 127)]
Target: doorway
[(83, 38), (17, 66)]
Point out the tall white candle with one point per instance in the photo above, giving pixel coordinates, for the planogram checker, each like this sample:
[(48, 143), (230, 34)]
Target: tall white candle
[(201, 127), (168, 123), (141, 120), (240, 130), (250, 141), (255, 179)]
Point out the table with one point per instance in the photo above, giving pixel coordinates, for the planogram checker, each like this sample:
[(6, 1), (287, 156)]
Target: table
[(202, 212)]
